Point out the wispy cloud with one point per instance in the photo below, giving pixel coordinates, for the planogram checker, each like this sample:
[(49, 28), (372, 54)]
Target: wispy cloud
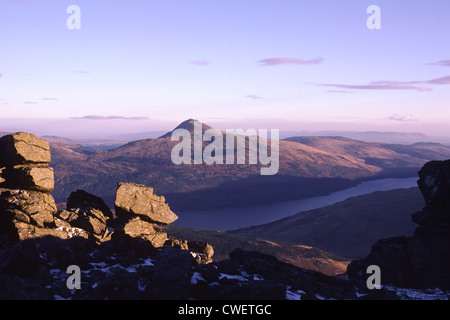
[(50, 99), (95, 117), (402, 117), (378, 86), (279, 61), (339, 91), (30, 102), (443, 80), (442, 63), (252, 96), (200, 62), (393, 85), (82, 72)]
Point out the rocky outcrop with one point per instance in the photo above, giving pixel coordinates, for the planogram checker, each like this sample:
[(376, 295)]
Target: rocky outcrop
[(140, 213), (422, 260), (26, 207), (27, 210)]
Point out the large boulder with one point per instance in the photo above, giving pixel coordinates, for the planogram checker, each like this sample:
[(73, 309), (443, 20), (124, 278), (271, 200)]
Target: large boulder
[(23, 148), (138, 200), (24, 162)]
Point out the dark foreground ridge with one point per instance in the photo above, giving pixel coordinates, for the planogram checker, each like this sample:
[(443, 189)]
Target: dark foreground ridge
[(127, 254)]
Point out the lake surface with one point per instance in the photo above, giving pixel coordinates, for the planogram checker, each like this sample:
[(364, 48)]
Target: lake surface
[(225, 219)]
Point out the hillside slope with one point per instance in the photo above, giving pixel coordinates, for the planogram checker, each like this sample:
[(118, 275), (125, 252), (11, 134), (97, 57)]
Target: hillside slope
[(347, 228), (305, 257), (307, 167)]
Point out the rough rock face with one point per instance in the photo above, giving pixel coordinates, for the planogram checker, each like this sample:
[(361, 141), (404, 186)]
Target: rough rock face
[(422, 260), (138, 200), (37, 177), (23, 148), (26, 207), (24, 162), (138, 228)]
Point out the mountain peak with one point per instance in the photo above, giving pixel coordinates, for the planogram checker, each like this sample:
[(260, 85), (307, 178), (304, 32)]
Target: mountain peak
[(187, 125)]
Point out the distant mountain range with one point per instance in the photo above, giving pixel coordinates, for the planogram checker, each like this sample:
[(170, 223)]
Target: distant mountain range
[(309, 166), (373, 136)]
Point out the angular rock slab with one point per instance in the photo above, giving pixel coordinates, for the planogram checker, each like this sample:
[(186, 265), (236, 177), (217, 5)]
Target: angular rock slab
[(138, 228), (23, 148), (30, 177), (135, 199)]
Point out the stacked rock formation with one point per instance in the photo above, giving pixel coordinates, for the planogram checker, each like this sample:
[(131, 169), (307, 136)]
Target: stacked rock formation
[(26, 207), (422, 260), (140, 213)]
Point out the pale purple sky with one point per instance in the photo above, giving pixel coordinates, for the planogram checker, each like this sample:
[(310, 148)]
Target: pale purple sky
[(289, 64)]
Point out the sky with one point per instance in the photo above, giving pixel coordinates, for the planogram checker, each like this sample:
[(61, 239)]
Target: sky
[(146, 65)]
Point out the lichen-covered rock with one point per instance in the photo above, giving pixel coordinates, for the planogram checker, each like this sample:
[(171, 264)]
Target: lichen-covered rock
[(139, 200)]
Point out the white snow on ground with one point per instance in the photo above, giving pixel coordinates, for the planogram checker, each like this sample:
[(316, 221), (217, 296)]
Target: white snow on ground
[(103, 266), (416, 294), (294, 295), (196, 277), (232, 277)]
